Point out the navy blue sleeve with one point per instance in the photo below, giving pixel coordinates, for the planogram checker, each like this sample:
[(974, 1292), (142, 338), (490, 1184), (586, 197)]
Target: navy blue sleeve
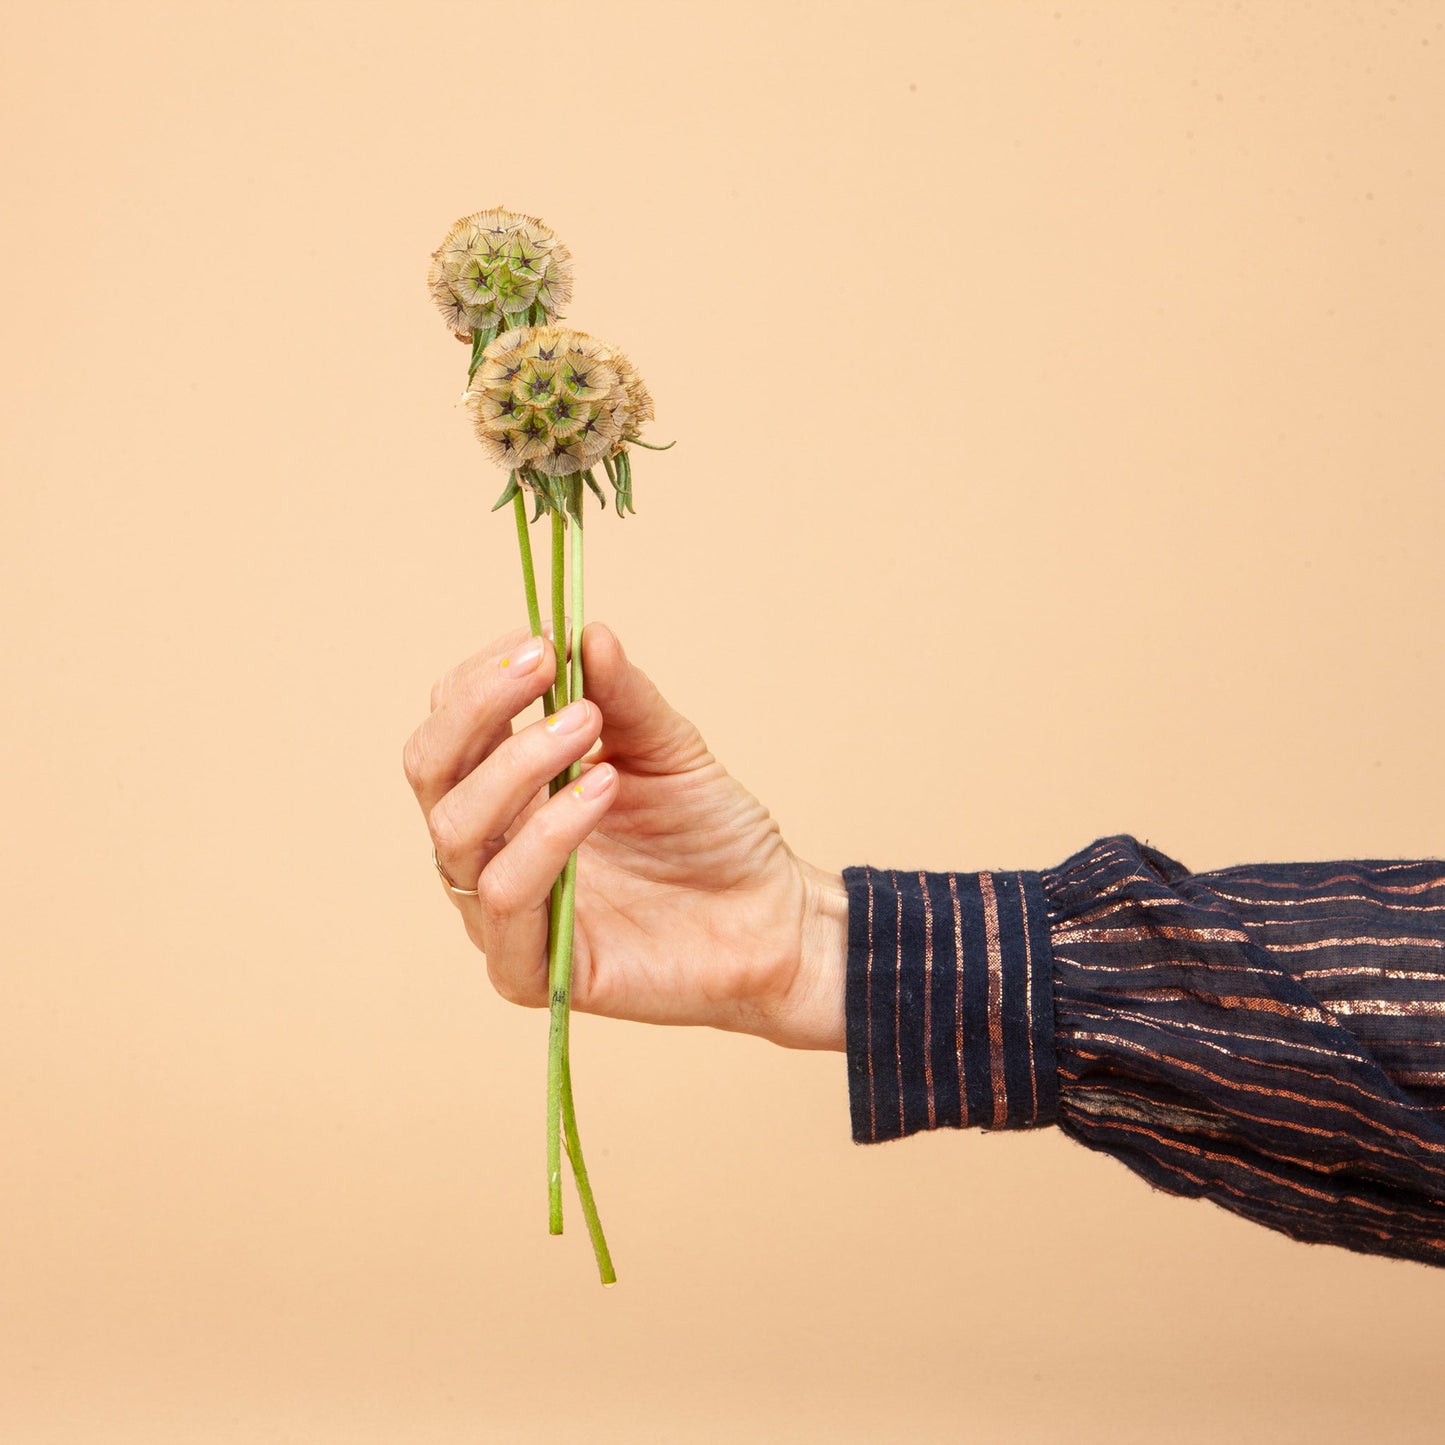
[(1270, 1037)]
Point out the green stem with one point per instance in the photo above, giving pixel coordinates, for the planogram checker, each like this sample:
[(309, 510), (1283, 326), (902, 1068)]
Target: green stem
[(558, 929), (576, 691), (529, 574), (529, 581), (556, 1036), (561, 1108), (579, 1170), (559, 608), (559, 995), (559, 981)]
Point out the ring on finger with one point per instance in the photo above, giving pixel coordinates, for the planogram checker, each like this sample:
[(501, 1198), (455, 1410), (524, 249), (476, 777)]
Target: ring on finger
[(447, 878)]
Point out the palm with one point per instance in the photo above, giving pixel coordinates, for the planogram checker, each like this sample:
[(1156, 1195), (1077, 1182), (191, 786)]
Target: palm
[(688, 901)]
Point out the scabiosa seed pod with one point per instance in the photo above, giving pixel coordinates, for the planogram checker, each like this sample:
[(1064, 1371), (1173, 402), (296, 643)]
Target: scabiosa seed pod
[(555, 401), (493, 267), (639, 399)]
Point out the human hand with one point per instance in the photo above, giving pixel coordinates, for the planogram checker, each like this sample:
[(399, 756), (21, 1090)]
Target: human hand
[(691, 909)]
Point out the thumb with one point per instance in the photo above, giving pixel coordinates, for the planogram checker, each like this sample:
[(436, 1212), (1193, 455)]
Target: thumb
[(639, 726)]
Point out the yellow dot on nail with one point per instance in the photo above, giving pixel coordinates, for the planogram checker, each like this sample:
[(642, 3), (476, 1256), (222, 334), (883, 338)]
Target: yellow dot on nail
[(577, 791), (506, 662)]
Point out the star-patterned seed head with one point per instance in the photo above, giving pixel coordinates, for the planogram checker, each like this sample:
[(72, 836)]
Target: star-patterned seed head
[(555, 401), (493, 267)]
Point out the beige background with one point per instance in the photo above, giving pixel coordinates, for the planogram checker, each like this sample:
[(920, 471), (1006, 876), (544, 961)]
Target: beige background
[(1061, 453)]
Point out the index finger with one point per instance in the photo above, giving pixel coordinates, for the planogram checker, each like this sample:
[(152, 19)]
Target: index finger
[(475, 714)]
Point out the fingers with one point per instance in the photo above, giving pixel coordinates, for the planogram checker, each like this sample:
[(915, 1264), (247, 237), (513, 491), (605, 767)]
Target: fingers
[(463, 672), (472, 713), (470, 822), (640, 728), (514, 888)]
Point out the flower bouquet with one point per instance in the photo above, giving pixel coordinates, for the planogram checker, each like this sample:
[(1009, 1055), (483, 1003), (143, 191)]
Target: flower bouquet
[(551, 405)]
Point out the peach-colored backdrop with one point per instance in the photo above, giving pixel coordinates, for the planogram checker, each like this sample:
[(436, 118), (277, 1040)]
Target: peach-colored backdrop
[(1102, 492)]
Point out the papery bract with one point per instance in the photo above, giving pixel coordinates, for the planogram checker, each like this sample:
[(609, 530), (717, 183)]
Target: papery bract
[(556, 401), (493, 267)]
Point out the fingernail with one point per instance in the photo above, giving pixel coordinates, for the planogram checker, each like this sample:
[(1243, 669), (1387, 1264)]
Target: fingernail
[(525, 658), (568, 719), (595, 781)]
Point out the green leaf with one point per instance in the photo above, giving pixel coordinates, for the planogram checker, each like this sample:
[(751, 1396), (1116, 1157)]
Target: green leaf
[(508, 492), (480, 341), (592, 482)]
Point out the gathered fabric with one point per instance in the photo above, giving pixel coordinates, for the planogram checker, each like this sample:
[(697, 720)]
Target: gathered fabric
[(1270, 1036)]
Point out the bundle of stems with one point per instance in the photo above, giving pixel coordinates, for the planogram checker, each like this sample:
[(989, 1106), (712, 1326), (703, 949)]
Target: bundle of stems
[(549, 403), (567, 687)]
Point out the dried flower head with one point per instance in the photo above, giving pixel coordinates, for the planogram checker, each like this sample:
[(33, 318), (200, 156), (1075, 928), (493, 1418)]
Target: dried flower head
[(494, 267), (552, 400)]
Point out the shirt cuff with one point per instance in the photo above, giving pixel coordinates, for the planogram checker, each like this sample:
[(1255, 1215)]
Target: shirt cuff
[(950, 1008)]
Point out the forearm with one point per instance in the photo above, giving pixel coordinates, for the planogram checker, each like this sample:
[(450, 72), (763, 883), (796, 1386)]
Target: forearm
[(1262, 1036)]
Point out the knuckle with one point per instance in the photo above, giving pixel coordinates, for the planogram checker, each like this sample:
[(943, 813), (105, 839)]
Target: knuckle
[(550, 824), (444, 831), (525, 992), (414, 762), (474, 694), (495, 893), (439, 689)]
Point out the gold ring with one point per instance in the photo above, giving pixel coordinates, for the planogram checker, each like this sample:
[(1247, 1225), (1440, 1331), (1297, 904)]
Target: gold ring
[(446, 878)]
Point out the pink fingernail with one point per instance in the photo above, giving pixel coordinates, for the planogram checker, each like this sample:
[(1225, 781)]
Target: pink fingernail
[(525, 658), (594, 782), (569, 718)]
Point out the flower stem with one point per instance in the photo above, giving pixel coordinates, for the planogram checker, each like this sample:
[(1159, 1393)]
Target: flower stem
[(561, 1109), (568, 919), (579, 1171), (529, 579), (558, 926), (559, 612)]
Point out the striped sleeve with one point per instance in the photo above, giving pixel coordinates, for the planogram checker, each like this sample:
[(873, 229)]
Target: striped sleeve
[(1270, 1037)]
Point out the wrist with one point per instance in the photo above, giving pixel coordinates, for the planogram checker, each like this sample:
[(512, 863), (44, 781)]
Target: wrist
[(813, 1014)]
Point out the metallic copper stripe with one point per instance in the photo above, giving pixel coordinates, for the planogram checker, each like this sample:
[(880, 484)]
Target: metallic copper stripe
[(1092, 915), (1108, 1015), (1339, 942), (1338, 878), (1297, 922), (1029, 997), (1083, 1087), (1144, 965), (1329, 898), (1392, 1210), (1387, 1008), (1110, 858), (898, 994), (1229, 1000), (1156, 930), (868, 984), (963, 1119), (1234, 1056), (1077, 1083), (1202, 1153), (995, 997), (1375, 970), (928, 996), (1334, 1201), (1310, 1099), (1434, 1077)]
